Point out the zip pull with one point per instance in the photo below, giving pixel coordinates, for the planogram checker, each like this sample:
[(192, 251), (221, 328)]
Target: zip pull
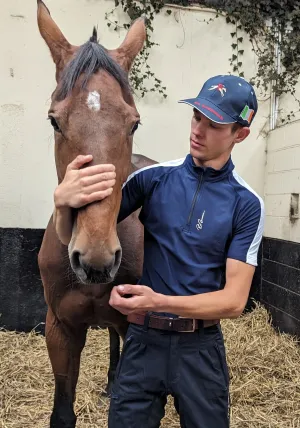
[(195, 199)]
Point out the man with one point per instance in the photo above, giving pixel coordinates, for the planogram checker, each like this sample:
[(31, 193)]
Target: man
[(203, 227)]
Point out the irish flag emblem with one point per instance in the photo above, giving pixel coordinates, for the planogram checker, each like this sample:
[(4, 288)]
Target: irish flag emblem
[(247, 114)]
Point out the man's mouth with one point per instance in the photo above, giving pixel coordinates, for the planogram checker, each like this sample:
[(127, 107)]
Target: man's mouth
[(196, 143)]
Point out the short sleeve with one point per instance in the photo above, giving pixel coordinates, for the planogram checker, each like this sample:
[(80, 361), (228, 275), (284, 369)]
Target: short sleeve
[(134, 191), (248, 232)]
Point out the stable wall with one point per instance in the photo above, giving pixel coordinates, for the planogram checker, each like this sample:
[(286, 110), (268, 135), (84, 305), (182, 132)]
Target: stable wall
[(190, 51), (283, 183), (280, 289)]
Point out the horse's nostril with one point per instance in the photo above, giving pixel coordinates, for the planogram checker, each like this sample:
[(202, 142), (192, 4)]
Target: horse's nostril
[(118, 256), (76, 259), (116, 263)]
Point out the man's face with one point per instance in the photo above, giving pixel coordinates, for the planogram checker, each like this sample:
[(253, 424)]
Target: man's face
[(210, 140)]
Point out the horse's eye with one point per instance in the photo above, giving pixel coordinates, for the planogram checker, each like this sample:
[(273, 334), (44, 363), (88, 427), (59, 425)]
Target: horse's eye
[(54, 124), (135, 127)]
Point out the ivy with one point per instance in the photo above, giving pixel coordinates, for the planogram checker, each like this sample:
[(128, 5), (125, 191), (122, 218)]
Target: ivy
[(141, 75), (271, 26)]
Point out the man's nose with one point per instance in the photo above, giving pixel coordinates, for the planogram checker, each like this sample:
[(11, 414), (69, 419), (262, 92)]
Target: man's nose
[(199, 130)]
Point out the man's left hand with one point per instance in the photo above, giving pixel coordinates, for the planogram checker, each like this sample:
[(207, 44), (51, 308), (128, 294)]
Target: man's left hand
[(142, 299)]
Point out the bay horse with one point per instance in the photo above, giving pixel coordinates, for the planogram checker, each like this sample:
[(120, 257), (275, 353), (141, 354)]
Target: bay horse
[(92, 112)]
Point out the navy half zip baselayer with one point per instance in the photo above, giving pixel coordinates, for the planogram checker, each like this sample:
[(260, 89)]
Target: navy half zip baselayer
[(194, 219)]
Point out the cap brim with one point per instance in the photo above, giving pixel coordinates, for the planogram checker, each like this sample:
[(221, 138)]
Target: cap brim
[(209, 110)]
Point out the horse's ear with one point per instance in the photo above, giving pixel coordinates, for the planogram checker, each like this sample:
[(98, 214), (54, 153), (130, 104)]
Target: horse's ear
[(60, 48), (132, 45)]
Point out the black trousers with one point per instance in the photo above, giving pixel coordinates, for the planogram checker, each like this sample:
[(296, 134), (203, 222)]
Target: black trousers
[(190, 366)]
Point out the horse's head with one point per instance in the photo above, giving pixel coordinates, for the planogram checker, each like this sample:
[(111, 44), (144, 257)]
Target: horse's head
[(93, 112)]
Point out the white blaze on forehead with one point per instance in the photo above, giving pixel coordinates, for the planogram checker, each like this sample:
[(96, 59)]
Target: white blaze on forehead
[(93, 101)]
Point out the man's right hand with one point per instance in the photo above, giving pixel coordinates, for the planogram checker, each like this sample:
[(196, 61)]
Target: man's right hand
[(83, 186)]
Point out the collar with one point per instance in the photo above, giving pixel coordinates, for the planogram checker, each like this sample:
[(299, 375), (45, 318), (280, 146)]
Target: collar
[(209, 173)]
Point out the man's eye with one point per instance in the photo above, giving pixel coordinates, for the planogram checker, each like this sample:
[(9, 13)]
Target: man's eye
[(54, 124)]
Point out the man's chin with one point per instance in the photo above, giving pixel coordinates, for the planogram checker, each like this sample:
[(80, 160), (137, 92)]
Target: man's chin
[(196, 154)]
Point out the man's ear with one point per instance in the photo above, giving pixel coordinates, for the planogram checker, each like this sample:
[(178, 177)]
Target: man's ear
[(241, 134)]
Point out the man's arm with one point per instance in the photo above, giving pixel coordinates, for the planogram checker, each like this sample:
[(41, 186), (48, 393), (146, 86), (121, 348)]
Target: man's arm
[(62, 220), (240, 267), (227, 303)]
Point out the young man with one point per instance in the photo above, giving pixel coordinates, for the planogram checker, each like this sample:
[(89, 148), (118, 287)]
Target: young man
[(203, 227)]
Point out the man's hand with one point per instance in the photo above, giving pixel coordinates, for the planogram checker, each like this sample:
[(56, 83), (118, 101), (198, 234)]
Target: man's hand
[(84, 186), (142, 299)]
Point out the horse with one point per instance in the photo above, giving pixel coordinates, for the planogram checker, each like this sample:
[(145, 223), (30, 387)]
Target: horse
[(92, 112)]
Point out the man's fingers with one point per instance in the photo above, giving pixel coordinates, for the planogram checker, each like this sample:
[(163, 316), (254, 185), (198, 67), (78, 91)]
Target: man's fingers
[(79, 161), (104, 185), (97, 169), (105, 177), (130, 289), (97, 196), (115, 298), (120, 303)]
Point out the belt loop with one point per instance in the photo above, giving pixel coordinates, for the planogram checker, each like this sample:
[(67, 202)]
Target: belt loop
[(146, 321)]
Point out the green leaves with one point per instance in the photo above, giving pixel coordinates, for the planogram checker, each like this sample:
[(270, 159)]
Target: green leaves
[(142, 79), (261, 21)]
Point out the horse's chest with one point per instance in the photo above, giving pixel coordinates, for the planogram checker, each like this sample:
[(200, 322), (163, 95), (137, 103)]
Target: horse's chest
[(78, 308)]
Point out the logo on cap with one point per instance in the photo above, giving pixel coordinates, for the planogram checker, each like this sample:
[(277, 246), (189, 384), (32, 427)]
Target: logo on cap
[(220, 87), (247, 114)]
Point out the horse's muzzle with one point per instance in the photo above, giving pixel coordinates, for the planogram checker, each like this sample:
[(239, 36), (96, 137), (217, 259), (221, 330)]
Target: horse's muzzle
[(94, 273)]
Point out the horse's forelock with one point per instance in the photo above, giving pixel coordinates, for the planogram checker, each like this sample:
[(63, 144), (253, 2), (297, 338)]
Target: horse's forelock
[(90, 58)]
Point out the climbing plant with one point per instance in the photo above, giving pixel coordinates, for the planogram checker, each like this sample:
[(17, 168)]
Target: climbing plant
[(141, 76), (271, 26)]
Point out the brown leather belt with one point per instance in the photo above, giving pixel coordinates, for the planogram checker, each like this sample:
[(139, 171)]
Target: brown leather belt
[(183, 325)]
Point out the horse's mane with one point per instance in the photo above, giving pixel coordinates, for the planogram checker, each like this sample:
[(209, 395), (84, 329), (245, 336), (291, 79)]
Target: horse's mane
[(90, 58)]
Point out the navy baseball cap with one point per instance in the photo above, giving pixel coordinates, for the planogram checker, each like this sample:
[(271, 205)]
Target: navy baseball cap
[(226, 99)]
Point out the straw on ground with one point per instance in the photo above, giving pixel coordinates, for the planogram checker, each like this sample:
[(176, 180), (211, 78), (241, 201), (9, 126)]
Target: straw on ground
[(264, 369)]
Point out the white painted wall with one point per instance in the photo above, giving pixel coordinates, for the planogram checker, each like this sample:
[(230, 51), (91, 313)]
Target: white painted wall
[(282, 179), (282, 176), (190, 51)]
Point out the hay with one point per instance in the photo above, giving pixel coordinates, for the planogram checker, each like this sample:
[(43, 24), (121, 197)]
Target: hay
[(264, 368)]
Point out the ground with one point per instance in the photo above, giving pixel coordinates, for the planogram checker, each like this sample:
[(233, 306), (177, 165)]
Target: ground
[(264, 369)]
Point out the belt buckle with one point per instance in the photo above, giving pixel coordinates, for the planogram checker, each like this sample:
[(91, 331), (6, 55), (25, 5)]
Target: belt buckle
[(191, 330)]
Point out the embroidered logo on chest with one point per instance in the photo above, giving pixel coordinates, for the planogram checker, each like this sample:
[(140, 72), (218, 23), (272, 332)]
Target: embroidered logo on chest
[(199, 224)]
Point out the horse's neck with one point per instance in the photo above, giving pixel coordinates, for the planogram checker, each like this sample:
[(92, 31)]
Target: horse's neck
[(133, 168), (140, 161)]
